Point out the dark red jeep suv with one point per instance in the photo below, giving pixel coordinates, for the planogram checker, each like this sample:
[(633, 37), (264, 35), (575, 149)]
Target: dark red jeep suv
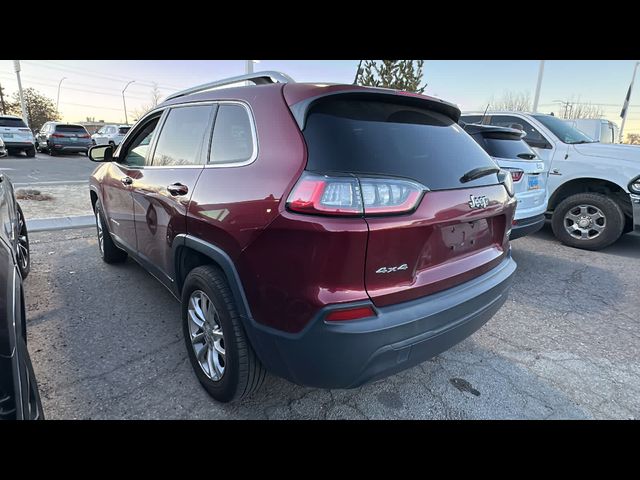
[(330, 234)]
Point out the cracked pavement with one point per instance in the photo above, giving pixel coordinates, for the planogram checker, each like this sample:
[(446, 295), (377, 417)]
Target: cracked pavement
[(106, 343)]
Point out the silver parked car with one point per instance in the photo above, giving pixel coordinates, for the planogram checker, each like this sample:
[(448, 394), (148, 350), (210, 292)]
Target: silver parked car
[(507, 147), (110, 135)]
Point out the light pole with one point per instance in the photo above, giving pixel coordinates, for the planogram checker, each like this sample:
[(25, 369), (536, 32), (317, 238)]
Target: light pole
[(126, 120), (58, 97), (625, 108), (537, 95), (248, 68), (16, 65)]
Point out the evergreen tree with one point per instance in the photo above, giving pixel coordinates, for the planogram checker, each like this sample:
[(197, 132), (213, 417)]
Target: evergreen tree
[(396, 74)]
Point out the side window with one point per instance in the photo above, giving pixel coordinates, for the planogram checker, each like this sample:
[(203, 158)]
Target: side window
[(233, 140), (533, 135), (137, 149), (606, 133), (182, 136)]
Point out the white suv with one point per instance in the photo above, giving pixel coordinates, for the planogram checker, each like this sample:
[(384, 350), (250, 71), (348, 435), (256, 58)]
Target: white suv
[(110, 135), (16, 135), (594, 188)]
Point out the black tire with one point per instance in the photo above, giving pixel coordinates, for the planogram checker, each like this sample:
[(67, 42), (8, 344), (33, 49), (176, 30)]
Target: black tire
[(614, 221), (31, 152), (51, 151), (109, 252), (24, 253), (243, 373)]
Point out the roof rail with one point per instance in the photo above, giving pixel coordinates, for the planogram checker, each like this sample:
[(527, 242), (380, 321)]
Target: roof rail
[(259, 78)]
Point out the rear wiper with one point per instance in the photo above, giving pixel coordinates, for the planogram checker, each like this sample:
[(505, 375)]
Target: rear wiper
[(526, 156), (477, 173)]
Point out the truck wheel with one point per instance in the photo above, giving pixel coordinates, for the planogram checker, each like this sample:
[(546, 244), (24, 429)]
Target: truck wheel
[(109, 252), (219, 351), (590, 221)]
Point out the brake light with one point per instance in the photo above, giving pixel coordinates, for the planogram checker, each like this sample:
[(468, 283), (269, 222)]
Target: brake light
[(84, 135), (355, 313), (516, 175), (353, 196), (58, 135)]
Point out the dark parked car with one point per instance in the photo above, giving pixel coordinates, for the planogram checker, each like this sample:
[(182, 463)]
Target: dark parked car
[(331, 234), (19, 397), (56, 137)]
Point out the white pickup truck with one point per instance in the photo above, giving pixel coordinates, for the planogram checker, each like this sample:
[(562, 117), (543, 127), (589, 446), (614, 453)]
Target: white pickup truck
[(594, 188)]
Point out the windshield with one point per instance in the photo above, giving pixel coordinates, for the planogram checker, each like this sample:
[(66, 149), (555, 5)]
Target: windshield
[(565, 132)]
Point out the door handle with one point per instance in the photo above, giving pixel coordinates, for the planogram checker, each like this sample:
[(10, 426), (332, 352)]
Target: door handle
[(126, 180), (177, 189)]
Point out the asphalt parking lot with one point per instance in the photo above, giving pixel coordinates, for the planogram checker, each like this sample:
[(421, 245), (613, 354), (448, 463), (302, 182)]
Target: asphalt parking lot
[(106, 343), (44, 168)]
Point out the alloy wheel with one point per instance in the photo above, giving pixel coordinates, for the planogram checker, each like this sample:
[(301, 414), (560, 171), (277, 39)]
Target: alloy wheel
[(207, 338), (584, 222)]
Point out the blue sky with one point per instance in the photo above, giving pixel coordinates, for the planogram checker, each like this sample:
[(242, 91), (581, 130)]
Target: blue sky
[(93, 87)]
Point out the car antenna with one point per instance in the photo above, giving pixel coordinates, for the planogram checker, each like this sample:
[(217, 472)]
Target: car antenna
[(484, 114)]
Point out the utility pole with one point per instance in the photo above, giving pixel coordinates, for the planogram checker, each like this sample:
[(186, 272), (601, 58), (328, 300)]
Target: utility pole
[(58, 97), (248, 68), (126, 120), (4, 109), (625, 108), (16, 65), (537, 95)]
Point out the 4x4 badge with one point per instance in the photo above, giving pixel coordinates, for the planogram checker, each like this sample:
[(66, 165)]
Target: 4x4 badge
[(404, 266), (478, 202)]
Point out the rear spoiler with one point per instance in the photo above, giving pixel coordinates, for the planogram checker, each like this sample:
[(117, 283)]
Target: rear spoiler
[(491, 131), (301, 108)]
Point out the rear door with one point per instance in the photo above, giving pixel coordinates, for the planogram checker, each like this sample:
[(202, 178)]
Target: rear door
[(163, 188), (457, 231)]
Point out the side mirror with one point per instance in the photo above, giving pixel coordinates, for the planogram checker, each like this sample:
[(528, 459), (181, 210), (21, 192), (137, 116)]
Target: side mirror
[(101, 153)]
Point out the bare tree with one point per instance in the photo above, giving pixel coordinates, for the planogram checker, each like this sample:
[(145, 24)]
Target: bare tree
[(633, 138), (155, 100), (574, 108), (512, 101)]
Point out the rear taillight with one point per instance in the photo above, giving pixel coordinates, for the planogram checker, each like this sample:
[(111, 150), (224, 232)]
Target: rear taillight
[(354, 313), (84, 135), (516, 175), (353, 196), (58, 135), (506, 179)]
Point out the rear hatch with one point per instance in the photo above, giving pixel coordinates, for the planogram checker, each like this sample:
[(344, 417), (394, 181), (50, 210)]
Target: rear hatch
[(14, 130), (512, 153), (428, 228), (71, 135)]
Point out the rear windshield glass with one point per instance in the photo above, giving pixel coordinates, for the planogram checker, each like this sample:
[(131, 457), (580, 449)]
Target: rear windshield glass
[(386, 138), (506, 148), (70, 128), (12, 122), (123, 129)]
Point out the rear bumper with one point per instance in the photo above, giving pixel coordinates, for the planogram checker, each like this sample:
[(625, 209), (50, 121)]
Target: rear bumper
[(527, 226), (635, 204), (18, 144), (349, 354), (70, 148)]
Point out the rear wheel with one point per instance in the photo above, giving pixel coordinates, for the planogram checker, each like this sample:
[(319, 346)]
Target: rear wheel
[(109, 252), (591, 221), (31, 152), (222, 358), (51, 151)]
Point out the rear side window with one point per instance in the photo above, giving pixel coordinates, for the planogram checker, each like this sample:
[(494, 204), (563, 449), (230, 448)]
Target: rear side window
[(232, 135), (385, 138), (123, 130), (12, 122), (70, 129), (182, 136), (514, 149)]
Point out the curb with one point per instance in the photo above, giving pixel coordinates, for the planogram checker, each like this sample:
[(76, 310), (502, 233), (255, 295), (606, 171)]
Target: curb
[(60, 223)]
